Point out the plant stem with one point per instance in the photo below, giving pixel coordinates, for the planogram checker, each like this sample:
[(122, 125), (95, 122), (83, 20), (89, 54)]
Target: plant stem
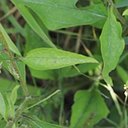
[(120, 18), (9, 124), (22, 107), (45, 99), (62, 102), (14, 66), (125, 112)]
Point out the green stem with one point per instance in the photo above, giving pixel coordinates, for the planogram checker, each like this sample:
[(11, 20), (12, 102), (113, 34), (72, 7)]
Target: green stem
[(14, 66), (119, 16), (62, 102), (111, 122), (19, 111), (125, 113), (22, 107), (45, 99)]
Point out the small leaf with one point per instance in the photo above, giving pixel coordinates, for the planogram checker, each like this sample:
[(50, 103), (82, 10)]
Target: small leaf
[(14, 94), (52, 58), (2, 106), (125, 12), (122, 73), (21, 69), (89, 108), (4, 38), (112, 45), (10, 112)]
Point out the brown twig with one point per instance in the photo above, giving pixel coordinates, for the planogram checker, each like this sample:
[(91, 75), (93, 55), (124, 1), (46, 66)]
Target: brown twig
[(8, 14)]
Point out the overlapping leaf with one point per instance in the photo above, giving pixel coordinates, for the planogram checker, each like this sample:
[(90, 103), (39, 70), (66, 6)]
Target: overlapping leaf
[(121, 3), (52, 58), (33, 23), (5, 40), (2, 106), (36, 123), (57, 14), (88, 109), (112, 45)]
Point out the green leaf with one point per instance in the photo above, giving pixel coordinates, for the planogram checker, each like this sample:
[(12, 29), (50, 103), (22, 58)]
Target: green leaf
[(125, 12), (13, 95), (8, 64), (32, 40), (56, 14), (112, 45), (36, 123), (6, 43), (46, 74), (121, 3), (14, 126), (75, 71), (32, 22), (21, 69), (2, 123), (10, 111), (65, 72), (2, 106), (4, 38), (89, 108), (9, 85), (122, 73), (52, 58)]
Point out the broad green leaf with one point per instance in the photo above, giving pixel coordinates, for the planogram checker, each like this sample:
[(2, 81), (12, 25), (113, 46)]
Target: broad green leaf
[(2, 106), (32, 22), (46, 74), (121, 3), (65, 72), (112, 45), (56, 14), (77, 70), (52, 58), (88, 109), (5, 40), (13, 96), (122, 73), (34, 41)]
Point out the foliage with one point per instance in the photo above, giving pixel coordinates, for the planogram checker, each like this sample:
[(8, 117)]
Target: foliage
[(63, 63)]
